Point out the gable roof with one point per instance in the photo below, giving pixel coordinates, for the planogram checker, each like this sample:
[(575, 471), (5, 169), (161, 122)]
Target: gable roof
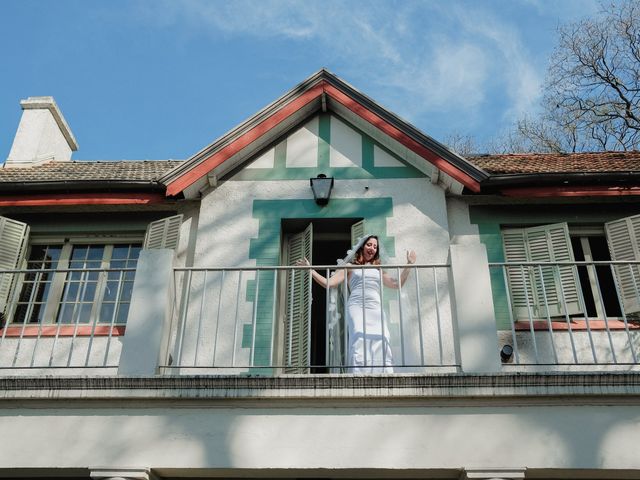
[(321, 92)]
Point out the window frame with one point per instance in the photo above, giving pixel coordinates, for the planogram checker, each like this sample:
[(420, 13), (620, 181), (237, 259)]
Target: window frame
[(55, 299), (582, 233)]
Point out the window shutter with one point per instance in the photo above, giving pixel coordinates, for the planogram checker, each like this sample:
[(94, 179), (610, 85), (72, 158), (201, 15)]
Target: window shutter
[(622, 236), (556, 285), (520, 285), (551, 243), (164, 233), (357, 232), (14, 237), (297, 354)]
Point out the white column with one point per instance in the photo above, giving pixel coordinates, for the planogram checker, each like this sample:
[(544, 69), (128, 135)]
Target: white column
[(145, 339), (493, 473), (473, 307), (104, 473)]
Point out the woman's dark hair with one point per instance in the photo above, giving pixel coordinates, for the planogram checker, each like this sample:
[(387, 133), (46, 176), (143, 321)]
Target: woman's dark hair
[(359, 258)]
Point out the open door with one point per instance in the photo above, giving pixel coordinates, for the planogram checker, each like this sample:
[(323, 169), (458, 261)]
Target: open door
[(297, 330), (336, 328)]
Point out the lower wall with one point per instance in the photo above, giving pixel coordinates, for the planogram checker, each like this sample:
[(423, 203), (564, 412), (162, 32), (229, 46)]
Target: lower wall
[(217, 436)]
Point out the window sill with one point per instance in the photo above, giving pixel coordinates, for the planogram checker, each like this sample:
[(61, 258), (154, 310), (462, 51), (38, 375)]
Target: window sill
[(575, 325), (22, 331)]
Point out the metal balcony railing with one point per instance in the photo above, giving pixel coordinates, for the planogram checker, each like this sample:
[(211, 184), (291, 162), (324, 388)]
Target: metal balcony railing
[(63, 318), (568, 313), (276, 320)]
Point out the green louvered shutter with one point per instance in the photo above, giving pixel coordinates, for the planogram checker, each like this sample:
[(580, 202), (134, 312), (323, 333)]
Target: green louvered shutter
[(547, 288), (357, 231), (622, 237), (14, 237), (297, 353), (163, 233)]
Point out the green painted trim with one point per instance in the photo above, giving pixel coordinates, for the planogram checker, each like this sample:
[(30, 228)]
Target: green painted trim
[(266, 248), (280, 157), (324, 142), (366, 172), (491, 237), (367, 153)]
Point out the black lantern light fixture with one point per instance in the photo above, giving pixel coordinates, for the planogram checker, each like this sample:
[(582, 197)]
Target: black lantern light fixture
[(321, 186)]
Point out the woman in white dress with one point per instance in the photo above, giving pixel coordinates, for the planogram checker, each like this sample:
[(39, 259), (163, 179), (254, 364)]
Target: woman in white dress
[(369, 349)]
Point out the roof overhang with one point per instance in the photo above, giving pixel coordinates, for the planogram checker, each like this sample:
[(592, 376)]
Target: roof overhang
[(573, 184), (321, 92)]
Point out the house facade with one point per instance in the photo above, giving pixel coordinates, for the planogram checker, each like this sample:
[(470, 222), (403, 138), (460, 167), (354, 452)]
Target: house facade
[(156, 322)]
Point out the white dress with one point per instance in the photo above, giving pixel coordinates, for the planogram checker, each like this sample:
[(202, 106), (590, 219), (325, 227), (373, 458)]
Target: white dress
[(369, 350)]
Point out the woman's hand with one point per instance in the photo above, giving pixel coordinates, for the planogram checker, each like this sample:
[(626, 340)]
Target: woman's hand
[(411, 257), (303, 262)]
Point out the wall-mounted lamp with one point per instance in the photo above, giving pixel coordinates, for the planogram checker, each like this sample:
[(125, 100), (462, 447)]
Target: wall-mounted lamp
[(506, 353), (321, 186)]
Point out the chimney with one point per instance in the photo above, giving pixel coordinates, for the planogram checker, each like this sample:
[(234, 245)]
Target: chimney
[(43, 134)]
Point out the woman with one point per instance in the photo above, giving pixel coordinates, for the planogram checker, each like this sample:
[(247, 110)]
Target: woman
[(369, 349)]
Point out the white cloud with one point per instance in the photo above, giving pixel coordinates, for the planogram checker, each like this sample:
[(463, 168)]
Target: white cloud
[(424, 58), (512, 65)]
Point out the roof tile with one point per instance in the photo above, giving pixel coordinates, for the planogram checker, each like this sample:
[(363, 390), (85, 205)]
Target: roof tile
[(89, 171), (535, 163)]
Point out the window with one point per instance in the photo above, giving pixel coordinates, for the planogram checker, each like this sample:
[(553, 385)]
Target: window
[(77, 296), (570, 290), (60, 286)]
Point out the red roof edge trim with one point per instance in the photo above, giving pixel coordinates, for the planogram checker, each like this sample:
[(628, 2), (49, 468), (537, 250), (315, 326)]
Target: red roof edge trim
[(574, 191), (241, 142), (402, 138), (82, 199)]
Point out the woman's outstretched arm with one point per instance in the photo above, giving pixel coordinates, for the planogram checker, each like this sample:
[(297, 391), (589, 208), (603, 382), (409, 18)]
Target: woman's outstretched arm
[(334, 280), (394, 283)]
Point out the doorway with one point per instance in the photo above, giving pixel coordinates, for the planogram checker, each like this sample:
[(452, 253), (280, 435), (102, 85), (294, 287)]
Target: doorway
[(330, 239)]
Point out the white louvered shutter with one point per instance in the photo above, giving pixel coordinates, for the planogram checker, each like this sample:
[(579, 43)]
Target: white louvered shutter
[(163, 233), (14, 237), (622, 237), (555, 286), (357, 231), (519, 277), (297, 353), (547, 288)]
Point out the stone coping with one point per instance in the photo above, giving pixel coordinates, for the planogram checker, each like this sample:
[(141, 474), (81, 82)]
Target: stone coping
[(528, 387)]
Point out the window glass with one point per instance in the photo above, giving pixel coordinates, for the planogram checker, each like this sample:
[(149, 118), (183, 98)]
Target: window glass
[(96, 288), (36, 285)]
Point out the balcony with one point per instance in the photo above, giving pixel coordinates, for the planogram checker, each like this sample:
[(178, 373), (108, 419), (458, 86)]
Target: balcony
[(64, 320), (563, 316), (275, 320), (269, 321)]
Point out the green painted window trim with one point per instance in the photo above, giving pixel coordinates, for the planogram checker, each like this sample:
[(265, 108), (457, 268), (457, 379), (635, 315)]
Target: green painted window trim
[(266, 250)]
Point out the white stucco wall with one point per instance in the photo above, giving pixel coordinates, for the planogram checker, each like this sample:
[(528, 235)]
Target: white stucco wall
[(461, 230), (226, 226), (360, 435)]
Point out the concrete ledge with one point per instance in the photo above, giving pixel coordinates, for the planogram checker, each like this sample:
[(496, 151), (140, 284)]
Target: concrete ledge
[(534, 387)]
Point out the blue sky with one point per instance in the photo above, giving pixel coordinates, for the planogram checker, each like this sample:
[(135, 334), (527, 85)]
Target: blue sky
[(164, 78)]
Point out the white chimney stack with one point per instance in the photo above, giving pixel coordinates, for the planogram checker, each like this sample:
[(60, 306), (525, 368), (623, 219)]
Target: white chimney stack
[(43, 134)]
